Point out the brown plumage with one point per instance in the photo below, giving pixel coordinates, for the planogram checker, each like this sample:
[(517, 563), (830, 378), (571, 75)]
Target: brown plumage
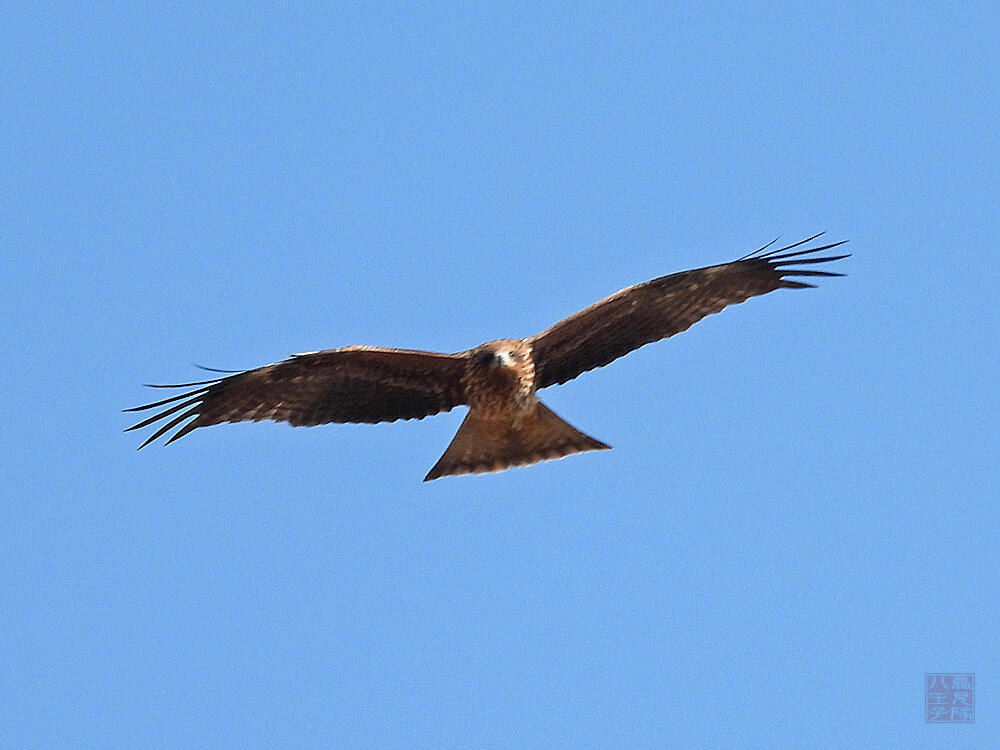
[(506, 425)]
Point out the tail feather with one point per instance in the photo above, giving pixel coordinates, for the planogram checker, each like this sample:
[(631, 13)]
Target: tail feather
[(487, 443)]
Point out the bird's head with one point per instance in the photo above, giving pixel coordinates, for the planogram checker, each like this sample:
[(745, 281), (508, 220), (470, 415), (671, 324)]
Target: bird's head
[(500, 354)]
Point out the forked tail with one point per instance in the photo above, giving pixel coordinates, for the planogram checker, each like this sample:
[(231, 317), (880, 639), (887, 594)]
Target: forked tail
[(488, 443)]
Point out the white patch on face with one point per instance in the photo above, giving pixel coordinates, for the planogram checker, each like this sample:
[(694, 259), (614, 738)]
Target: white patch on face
[(505, 358)]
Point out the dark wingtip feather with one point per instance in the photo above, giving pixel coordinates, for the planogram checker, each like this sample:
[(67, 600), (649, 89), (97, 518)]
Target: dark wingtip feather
[(777, 262), (794, 245), (797, 285), (778, 255), (193, 399), (182, 385), (760, 249), (216, 369), (178, 397), (169, 426), (193, 424), (166, 413), (788, 262), (807, 272)]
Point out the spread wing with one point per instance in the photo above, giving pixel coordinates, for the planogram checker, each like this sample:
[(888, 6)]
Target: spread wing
[(648, 312), (351, 384)]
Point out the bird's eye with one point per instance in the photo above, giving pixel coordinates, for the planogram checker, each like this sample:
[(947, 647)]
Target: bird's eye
[(515, 356)]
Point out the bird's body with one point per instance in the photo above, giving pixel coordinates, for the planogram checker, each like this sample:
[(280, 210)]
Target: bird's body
[(500, 377), (506, 425)]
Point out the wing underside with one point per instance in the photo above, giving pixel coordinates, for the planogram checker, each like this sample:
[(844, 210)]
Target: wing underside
[(352, 384), (666, 306)]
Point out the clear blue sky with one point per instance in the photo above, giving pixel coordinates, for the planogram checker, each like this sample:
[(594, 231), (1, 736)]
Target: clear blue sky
[(799, 516)]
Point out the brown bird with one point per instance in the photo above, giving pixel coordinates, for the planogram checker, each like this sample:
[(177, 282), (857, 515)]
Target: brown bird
[(506, 424)]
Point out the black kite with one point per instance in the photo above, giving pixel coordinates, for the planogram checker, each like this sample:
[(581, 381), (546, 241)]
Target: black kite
[(506, 424)]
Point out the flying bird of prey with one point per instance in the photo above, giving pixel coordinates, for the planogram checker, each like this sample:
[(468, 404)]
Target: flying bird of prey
[(506, 424)]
